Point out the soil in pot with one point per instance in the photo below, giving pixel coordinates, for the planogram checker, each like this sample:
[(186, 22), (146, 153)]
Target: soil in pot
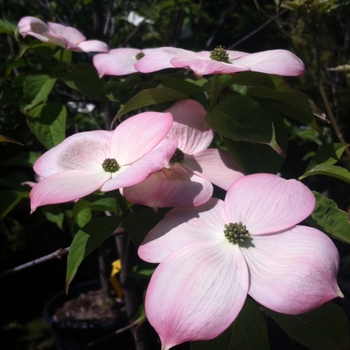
[(86, 319)]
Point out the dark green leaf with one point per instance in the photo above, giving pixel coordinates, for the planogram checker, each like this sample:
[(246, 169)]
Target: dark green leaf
[(330, 219), (325, 328), (88, 239), (328, 170), (84, 78), (289, 102), (36, 89), (240, 118), (151, 97), (248, 332), (48, 122), (138, 224), (254, 157), (9, 199)]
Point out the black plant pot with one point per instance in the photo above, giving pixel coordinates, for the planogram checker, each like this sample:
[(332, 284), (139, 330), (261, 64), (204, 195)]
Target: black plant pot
[(76, 336)]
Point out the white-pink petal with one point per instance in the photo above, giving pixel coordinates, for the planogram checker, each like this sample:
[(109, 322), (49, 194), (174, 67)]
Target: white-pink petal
[(280, 62), (93, 46), (267, 203), (82, 151), (294, 271), (196, 293), (159, 191), (159, 59), (190, 129), (140, 169), (214, 165), (182, 227), (66, 186), (137, 136)]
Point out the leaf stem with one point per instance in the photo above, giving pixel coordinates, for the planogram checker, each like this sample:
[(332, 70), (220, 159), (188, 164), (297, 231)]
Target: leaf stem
[(214, 91)]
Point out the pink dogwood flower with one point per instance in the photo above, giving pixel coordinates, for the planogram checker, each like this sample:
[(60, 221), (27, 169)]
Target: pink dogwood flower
[(221, 61), (211, 257), (103, 160), (187, 179), (118, 61), (60, 35)]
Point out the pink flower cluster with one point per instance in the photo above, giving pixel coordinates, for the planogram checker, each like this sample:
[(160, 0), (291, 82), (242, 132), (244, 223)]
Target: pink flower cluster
[(212, 253), (129, 60)]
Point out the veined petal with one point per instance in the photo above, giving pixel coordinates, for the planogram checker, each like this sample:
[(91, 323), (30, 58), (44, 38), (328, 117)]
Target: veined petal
[(159, 191), (144, 167), (189, 128), (33, 26), (116, 62), (70, 34), (159, 59), (196, 293), (267, 203), (93, 46), (293, 272), (280, 62), (138, 135), (203, 66), (182, 227), (82, 151), (66, 186), (214, 165)]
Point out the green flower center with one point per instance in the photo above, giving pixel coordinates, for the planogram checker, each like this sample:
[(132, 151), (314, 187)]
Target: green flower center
[(110, 165), (236, 233), (177, 157), (140, 55), (220, 54)]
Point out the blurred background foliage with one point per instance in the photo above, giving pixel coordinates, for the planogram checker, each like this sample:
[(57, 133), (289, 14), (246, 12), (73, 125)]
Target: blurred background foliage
[(318, 31)]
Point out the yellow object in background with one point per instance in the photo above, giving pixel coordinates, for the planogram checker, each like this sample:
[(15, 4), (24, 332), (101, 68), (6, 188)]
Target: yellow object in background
[(116, 268)]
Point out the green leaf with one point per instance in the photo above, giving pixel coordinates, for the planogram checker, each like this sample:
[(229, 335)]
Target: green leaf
[(150, 97), (328, 154), (240, 118), (92, 235), (328, 170), (48, 123), (322, 162), (26, 159), (84, 78), (248, 332), (254, 157), (179, 84), (9, 199), (54, 214), (37, 88), (287, 101), (7, 27), (138, 224), (325, 328), (327, 217)]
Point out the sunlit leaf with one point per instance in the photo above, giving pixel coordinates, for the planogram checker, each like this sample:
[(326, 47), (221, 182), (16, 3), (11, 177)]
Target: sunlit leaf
[(37, 88), (329, 218), (48, 123), (92, 235)]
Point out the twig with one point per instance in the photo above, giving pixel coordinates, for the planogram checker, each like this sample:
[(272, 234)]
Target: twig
[(331, 118), (57, 254)]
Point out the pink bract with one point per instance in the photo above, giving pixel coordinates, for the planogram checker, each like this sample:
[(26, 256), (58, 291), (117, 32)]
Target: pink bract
[(73, 169), (57, 34), (187, 182), (203, 279), (279, 62), (118, 61)]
